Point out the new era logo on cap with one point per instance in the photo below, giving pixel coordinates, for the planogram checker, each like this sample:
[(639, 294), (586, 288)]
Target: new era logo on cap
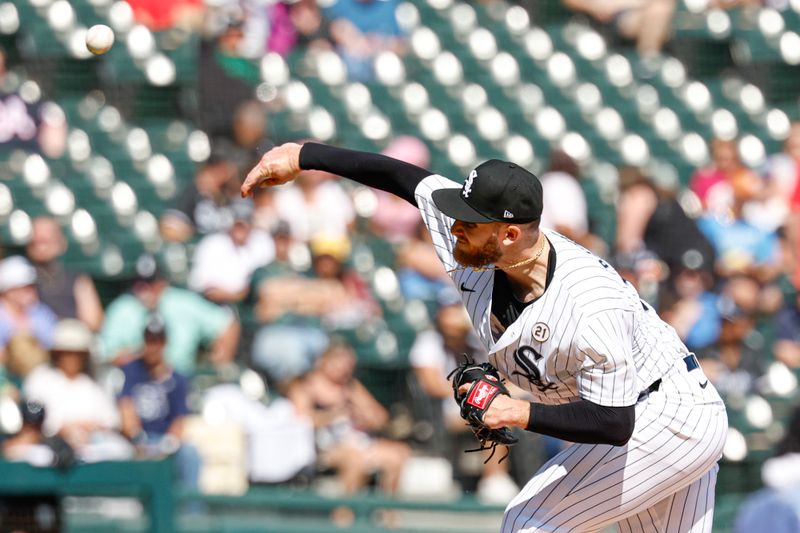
[(495, 191)]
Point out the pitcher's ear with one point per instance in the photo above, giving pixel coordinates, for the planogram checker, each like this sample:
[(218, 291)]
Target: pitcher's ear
[(512, 233)]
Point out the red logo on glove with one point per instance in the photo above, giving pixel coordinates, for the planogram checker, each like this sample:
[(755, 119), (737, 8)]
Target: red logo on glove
[(480, 394)]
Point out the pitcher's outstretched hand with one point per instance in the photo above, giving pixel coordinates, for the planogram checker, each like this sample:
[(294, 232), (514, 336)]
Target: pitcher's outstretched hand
[(279, 165)]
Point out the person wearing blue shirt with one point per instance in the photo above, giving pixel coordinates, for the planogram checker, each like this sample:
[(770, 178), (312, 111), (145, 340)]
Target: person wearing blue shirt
[(738, 242), (368, 16), (153, 405), (361, 29), (741, 246)]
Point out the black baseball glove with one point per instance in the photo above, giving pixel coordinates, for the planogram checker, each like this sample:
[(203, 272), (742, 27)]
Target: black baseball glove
[(486, 386)]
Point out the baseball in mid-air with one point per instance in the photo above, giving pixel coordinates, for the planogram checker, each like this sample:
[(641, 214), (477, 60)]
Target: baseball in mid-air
[(99, 39)]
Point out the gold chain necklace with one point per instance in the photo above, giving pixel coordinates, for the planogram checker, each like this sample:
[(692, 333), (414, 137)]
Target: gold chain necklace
[(515, 265)]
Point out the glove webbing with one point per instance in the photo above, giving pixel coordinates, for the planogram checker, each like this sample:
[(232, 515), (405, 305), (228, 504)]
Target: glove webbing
[(486, 386)]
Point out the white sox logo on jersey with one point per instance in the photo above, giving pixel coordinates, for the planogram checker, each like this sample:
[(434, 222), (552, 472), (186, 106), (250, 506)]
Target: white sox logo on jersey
[(468, 184), (526, 358)]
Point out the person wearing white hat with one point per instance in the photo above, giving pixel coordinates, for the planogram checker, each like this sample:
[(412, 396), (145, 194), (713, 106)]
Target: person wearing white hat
[(77, 408), (25, 322)]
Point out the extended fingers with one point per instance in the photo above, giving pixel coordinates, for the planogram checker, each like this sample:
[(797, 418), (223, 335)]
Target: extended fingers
[(258, 176), (279, 165)]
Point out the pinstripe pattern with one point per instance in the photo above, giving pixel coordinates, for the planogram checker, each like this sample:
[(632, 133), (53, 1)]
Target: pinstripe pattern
[(590, 336), (673, 452), (689, 510)]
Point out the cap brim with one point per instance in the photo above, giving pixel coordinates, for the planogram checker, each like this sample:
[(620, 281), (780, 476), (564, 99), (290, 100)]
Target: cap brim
[(451, 203)]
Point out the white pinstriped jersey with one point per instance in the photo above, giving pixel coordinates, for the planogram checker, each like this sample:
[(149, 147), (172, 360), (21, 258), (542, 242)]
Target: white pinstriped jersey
[(588, 336)]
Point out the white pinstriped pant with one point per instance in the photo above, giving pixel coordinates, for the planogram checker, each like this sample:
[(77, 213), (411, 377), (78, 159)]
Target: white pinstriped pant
[(662, 481)]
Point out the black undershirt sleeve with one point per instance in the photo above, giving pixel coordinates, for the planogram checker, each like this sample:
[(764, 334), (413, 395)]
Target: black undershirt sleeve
[(373, 170), (584, 421), (580, 421)]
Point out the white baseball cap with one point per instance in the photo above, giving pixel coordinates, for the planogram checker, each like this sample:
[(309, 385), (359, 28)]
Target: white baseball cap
[(16, 271), (72, 335)]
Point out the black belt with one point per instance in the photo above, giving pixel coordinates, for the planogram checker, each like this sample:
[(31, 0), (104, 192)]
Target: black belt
[(691, 363)]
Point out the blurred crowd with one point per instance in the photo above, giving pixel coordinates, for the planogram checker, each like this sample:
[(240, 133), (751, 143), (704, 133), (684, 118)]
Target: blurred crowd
[(265, 328)]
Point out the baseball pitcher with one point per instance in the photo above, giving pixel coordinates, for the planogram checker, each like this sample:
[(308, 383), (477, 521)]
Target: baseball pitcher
[(606, 373)]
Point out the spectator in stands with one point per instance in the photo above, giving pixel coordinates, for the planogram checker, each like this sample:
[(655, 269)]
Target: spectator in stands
[(361, 29), (648, 218), (67, 293), (263, 24), (224, 262), (753, 295), (27, 444), (153, 408), (345, 296), (26, 324), (740, 245), (691, 306), (733, 364), (282, 33), (296, 23), (647, 22), (314, 205), (395, 219), (420, 273), (437, 351), (225, 78), (779, 195), (777, 507), (434, 354), (787, 344), (76, 407), (347, 417), (249, 135), (312, 31), (192, 322), (713, 184), (288, 309), (31, 445), (30, 125), (565, 204), (204, 206), (565, 207)]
